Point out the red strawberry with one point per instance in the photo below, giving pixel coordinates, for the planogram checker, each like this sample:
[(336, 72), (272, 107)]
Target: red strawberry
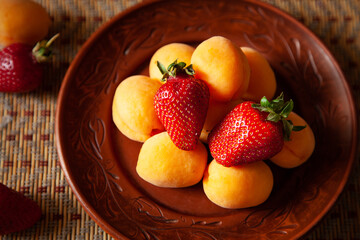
[(20, 68), (252, 132), (17, 212), (181, 104)]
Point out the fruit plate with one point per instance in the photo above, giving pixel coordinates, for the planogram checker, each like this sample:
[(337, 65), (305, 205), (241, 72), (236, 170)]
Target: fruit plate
[(99, 162)]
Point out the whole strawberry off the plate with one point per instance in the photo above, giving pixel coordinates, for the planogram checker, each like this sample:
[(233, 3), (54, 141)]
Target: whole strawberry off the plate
[(99, 162)]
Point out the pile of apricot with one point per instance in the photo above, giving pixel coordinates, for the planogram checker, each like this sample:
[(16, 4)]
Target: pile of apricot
[(233, 74)]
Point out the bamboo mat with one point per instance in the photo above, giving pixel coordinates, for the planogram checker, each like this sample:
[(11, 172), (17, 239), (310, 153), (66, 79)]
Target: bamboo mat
[(28, 157)]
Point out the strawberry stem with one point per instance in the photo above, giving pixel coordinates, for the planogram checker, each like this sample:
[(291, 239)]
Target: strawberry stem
[(279, 110), (173, 69), (42, 50)]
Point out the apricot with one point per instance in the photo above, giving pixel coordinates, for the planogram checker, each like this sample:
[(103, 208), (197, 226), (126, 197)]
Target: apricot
[(240, 186), (222, 66), (167, 55), (163, 164), (300, 147), (133, 109), (22, 21), (247, 73), (216, 112), (262, 78)]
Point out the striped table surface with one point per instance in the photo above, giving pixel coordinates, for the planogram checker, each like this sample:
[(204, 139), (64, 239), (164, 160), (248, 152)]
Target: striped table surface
[(28, 158)]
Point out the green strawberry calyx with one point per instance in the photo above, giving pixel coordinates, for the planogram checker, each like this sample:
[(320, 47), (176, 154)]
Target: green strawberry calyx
[(279, 110), (173, 69), (43, 49)]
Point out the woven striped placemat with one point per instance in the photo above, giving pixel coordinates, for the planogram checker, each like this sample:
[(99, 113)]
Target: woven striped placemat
[(28, 157)]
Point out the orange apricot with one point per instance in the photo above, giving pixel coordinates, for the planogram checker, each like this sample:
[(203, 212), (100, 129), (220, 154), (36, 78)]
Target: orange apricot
[(240, 186), (299, 149), (163, 164), (262, 78), (133, 109), (22, 21), (221, 64), (167, 55)]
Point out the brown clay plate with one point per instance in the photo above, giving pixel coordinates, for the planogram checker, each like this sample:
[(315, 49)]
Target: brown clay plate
[(99, 162)]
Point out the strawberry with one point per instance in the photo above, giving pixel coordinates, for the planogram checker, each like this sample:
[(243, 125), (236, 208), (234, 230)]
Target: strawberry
[(252, 132), (20, 66), (181, 104), (17, 212)]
